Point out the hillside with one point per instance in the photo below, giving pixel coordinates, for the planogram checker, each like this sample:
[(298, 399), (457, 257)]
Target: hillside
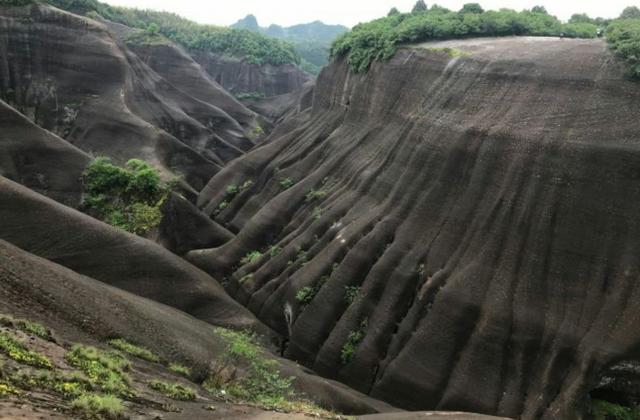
[(425, 222), (444, 221), (311, 41)]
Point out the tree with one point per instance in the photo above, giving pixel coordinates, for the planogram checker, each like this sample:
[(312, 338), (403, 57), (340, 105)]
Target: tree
[(472, 8), (419, 7), (153, 28), (540, 9), (631, 12), (393, 12), (581, 18)]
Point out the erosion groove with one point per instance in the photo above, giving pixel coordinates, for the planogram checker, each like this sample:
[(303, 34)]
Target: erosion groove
[(486, 208)]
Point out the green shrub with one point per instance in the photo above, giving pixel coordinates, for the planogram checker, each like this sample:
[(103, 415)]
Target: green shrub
[(307, 294), (252, 256), (262, 384), (314, 194), (287, 183), (134, 350), (351, 294), (26, 326), (624, 37), (180, 369), (130, 198), (17, 351), (95, 406), (173, 390), (69, 385), (353, 342)]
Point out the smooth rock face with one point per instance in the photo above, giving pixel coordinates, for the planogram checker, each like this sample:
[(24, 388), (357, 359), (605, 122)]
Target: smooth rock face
[(473, 219), (75, 78), (39, 159), (240, 76)]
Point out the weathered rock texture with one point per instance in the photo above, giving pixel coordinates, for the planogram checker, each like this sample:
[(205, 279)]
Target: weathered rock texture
[(484, 208), (72, 239), (39, 159), (75, 78), (81, 308), (240, 76)]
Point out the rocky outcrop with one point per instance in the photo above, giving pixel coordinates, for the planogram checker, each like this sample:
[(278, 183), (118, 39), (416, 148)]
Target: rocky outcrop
[(72, 76), (241, 76), (74, 240), (453, 231), (81, 308)]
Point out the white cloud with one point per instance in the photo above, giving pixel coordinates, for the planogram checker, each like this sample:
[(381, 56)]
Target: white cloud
[(350, 12)]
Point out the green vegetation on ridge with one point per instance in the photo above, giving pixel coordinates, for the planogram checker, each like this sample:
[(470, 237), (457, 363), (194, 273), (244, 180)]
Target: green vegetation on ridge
[(380, 38), (254, 47), (129, 198)]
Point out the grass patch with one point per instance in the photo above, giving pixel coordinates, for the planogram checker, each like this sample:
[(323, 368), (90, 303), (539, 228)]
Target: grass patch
[(106, 370), (173, 390), (69, 385), (451, 52), (180, 369), (26, 326), (96, 406), (134, 350), (7, 389), (18, 352)]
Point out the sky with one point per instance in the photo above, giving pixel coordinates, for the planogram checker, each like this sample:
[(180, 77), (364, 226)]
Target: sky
[(350, 12)]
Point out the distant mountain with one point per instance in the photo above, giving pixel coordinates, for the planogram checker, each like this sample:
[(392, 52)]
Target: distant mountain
[(311, 40)]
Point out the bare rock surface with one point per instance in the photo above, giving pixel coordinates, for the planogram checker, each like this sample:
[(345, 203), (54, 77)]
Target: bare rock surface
[(450, 231)]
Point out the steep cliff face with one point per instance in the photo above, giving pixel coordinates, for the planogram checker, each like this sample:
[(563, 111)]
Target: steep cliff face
[(74, 77), (240, 76), (452, 233)]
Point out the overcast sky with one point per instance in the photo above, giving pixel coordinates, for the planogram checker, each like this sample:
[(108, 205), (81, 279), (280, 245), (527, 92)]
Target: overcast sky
[(350, 12)]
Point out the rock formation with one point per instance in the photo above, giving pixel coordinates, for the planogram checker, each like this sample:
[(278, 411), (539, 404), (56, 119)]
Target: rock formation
[(456, 229)]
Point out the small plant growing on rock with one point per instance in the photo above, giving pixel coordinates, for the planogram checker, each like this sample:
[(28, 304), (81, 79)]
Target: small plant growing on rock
[(180, 369), (305, 295), (252, 256), (314, 195), (351, 294), (134, 350), (353, 342), (106, 370), (99, 406), (173, 390), (287, 183)]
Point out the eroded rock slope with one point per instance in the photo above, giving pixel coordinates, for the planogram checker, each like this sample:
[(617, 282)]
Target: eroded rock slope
[(74, 77), (453, 230)]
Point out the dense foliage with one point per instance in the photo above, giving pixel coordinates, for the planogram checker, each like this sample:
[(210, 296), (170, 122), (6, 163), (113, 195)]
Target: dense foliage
[(129, 198), (254, 47), (624, 37), (379, 39)]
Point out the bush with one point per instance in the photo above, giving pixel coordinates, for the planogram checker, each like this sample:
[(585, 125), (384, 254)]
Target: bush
[(380, 38), (287, 183), (99, 406), (604, 410), (106, 370), (175, 391), (624, 37), (252, 256), (129, 198), (180, 369), (353, 342)]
